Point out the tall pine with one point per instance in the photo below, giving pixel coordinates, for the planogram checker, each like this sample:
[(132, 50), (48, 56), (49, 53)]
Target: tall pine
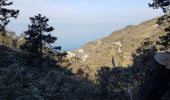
[(6, 14), (36, 36)]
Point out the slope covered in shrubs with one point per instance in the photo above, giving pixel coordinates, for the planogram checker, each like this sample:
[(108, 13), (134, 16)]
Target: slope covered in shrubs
[(26, 76), (45, 79), (32, 80)]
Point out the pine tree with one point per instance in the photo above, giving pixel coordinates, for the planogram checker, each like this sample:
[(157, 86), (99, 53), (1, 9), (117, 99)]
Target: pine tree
[(6, 14), (35, 36), (163, 4)]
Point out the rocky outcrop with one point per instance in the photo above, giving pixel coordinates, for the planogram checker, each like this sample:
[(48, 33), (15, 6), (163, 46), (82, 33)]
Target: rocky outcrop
[(119, 44), (156, 81), (163, 58)]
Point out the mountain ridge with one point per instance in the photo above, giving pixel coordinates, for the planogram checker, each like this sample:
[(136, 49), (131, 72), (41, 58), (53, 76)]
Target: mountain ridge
[(116, 48)]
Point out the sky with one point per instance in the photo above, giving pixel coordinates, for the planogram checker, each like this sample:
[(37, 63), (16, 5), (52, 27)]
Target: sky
[(77, 22)]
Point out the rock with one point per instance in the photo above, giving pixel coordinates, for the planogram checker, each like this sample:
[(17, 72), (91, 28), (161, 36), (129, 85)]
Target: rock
[(80, 51), (70, 55), (119, 44), (163, 58)]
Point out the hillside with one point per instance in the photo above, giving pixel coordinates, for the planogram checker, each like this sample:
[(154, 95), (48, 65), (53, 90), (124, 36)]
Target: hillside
[(24, 76), (115, 48), (21, 79), (11, 39)]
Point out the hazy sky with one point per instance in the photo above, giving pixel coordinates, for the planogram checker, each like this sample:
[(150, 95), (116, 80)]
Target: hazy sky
[(78, 21)]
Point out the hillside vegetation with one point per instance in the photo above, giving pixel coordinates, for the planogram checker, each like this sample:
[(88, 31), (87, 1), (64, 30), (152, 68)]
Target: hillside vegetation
[(46, 79), (121, 66), (21, 79)]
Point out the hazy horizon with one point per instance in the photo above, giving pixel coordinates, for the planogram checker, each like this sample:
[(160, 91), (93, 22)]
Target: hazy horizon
[(78, 22)]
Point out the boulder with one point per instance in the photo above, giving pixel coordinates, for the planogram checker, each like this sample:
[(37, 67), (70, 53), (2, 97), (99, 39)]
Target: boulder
[(163, 58)]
